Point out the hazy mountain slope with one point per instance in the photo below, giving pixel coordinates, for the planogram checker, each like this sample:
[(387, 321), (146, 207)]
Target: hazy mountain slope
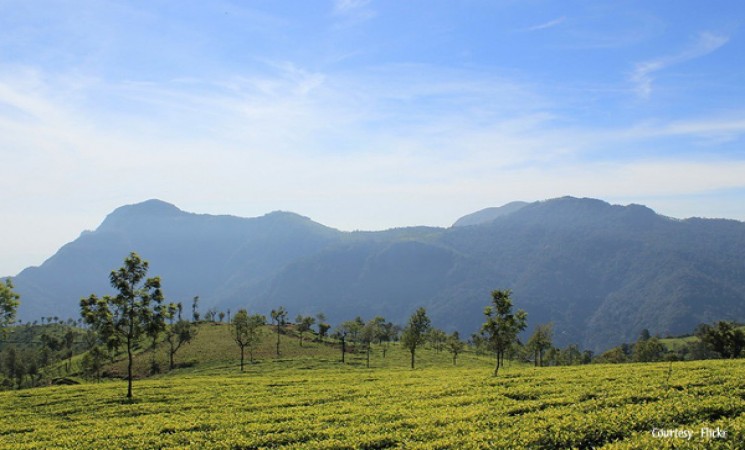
[(600, 272), (360, 278), (193, 254)]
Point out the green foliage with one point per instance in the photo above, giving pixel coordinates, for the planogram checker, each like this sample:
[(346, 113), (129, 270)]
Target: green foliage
[(455, 346), (304, 324), (247, 332), (415, 333), (437, 339), (613, 356), (570, 356), (177, 333), (93, 361), (345, 332), (648, 350), (323, 329), (44, 351), (8, 305), (540, 341), (195, 309), (136, 311), (502, 326), (724, 338), (323, 326)]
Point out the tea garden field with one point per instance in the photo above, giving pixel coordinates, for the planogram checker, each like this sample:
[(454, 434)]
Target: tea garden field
[(312, 404)]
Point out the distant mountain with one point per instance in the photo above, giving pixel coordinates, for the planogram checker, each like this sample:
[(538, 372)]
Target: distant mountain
[(600, 272), (194, 255)]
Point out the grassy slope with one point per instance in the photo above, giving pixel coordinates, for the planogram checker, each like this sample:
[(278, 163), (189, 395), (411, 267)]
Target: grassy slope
[(213, 350), (678, 343)]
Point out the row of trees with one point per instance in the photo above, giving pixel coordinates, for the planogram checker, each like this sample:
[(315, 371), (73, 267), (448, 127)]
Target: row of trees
[(247, 333), (139, 310)]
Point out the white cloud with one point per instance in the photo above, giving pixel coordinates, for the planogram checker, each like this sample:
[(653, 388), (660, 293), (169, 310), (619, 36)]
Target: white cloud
[(643, 75), (546, 25)]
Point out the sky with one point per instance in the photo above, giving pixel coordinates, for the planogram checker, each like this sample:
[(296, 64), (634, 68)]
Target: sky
[(363, 114)]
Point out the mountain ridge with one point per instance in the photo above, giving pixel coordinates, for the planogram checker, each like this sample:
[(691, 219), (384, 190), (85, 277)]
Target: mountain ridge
[(600, 272)]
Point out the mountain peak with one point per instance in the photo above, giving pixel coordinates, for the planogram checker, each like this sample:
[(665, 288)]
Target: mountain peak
[(489, 214), (138, 211)]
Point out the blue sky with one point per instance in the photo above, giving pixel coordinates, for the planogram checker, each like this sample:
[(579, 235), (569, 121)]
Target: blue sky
[(363, 114)]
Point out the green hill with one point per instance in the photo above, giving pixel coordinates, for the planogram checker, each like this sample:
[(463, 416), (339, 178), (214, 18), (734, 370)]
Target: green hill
[(214, 350)]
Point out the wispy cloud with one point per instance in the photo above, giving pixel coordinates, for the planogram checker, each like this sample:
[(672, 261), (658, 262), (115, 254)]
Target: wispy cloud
[(549, 24), (354, 11), (643, 75), (430, 140)]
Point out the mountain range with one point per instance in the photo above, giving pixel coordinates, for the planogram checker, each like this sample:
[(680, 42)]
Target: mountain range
[(600, 272)]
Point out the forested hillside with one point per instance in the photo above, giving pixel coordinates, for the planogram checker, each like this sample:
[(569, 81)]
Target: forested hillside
[(601, 273)]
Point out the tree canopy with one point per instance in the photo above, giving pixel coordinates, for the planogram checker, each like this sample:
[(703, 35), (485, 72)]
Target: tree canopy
[(724, 338), (8, 304)]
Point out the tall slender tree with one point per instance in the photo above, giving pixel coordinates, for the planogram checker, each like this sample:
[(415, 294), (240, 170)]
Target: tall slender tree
[(279, 317), (540, 341), (247, 332), (344, 333), (178, 332), (8, 304), (323, 327), (415, 333), (304, 324), (368, 335), (195, 309), (455, 346), (502, 325), (126, 317)]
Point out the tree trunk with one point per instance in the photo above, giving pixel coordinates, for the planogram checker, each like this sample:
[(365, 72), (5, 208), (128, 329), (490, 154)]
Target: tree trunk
[(368, 356), (241, 358), (455, 355), (412, 357), (277, 340), (129, 367), (496, 368), (343, 348)]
